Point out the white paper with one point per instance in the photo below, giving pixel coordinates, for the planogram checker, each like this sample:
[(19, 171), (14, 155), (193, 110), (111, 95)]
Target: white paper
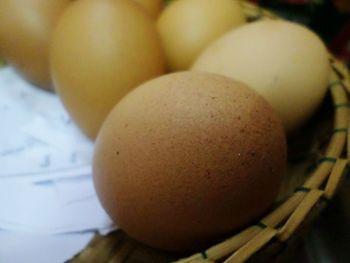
[(49, 208), (40, 208), (24, 248), (36, 132)]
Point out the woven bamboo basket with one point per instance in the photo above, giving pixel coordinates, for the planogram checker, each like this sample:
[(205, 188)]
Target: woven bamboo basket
[(317, 165)]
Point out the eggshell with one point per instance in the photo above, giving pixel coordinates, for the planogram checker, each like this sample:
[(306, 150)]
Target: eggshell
[(25, 34), (187, 158), (101, 50), (285, 62), (187, 27), (153, 7)]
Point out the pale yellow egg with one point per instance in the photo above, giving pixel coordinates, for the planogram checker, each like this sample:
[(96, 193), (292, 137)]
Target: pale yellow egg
[(285, 62), (187, 27)]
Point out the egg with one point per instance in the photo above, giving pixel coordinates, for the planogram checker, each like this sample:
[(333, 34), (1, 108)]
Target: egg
[(101, 50), (188, 157), (25, 34), (188, 26), (153, 7), (285, 62)]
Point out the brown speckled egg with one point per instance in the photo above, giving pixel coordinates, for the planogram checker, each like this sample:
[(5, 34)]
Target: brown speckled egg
[(187, 158)]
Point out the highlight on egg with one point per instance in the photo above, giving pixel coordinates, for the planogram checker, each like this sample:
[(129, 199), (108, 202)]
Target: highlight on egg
[(187, 158), (285, 62), (101, 50)]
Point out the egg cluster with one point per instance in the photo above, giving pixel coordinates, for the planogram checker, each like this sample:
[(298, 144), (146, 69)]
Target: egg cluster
[(181, 158)]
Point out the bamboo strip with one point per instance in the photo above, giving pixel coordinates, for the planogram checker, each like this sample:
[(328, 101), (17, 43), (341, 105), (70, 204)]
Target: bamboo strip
[(252, 246), (222, 249), (99, 249), (203, 261), (299, 214), (335, 178), (344, 75), (123, 251), (343, 71)]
